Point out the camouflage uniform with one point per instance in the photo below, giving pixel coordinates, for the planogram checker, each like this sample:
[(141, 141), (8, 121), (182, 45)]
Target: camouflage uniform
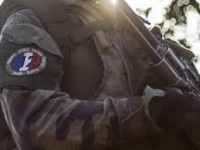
[(52, 105)]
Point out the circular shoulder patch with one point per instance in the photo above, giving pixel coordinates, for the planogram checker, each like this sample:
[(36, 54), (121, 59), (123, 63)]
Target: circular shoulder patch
[(26, 61)]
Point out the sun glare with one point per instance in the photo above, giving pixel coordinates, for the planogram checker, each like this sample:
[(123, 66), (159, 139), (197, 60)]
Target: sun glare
[(114, 1)]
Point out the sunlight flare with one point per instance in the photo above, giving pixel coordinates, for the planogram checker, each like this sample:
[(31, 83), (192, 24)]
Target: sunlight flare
[(114, 2)]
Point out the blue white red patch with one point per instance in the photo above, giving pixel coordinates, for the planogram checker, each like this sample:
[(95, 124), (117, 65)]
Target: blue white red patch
[(26, 61)]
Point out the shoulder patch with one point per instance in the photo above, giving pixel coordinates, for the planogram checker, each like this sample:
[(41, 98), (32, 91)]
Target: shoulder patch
[(26, 61)]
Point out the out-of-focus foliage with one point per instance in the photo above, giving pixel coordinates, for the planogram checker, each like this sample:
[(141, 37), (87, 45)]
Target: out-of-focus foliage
[(178, 8), (176, 13)]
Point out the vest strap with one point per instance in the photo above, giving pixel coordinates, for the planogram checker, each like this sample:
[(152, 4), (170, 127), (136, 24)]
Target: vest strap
[(54, 12), (48, 10), (88, 30)]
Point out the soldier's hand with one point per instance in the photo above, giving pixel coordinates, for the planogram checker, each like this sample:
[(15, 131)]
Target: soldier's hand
[(178, 112), (139, 124)]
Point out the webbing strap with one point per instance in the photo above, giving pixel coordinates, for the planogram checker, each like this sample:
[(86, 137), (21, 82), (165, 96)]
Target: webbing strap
[(48, 10), (53, 11), (88, 30)]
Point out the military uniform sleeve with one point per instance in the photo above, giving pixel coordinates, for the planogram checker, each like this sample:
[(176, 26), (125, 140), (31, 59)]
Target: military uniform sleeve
[(37, 113)]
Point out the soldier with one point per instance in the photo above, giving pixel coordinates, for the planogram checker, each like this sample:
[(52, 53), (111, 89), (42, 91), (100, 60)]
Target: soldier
[(88, 91)]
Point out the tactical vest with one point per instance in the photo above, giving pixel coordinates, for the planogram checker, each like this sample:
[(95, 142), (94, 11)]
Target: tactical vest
[(93, 52)]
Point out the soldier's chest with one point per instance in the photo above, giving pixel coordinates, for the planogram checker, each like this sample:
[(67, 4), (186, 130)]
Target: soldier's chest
[(96, 71)]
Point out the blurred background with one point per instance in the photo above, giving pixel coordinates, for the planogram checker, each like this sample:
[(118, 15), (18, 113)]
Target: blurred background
[(179, 20)]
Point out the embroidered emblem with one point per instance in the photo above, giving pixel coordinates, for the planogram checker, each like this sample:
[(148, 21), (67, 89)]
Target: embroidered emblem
[(26, 61)]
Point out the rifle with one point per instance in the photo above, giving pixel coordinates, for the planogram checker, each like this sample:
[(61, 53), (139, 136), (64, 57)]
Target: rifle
[(177, 71)]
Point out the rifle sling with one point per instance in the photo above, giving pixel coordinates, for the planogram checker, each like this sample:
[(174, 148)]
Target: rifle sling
[(52, 12), (48, 10)]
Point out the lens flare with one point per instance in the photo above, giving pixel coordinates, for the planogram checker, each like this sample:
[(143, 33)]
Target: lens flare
[(114, 1)]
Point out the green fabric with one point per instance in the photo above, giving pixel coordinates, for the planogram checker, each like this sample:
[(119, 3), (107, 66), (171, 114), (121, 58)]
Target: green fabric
[(28, 35)]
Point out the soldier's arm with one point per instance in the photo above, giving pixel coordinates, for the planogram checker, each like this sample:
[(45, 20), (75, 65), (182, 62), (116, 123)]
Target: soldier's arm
[(53, 120), (37, 113)]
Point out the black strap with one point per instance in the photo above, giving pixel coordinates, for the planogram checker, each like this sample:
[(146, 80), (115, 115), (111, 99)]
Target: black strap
[(48, 10), (53, 13), (88, 30)]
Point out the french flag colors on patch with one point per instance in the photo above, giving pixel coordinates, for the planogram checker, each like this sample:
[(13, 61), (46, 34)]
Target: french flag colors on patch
[(26, 61)]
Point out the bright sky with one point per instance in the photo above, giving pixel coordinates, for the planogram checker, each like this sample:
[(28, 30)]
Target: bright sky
[(156, 16), (190, 33)]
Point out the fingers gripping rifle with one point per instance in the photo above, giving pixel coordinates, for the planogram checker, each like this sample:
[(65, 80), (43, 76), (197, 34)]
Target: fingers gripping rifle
[(176, 71)]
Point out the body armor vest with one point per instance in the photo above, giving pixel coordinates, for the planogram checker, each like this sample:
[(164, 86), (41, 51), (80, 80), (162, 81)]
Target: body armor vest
[(93, 59)]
